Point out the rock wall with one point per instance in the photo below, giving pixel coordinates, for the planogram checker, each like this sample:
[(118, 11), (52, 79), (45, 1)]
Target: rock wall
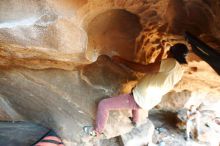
[(47, 75), (46, 29)]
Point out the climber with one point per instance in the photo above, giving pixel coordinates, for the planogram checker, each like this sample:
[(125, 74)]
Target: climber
[(160, 78)]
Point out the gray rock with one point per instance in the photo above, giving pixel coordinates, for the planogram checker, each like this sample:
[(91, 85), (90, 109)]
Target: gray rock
[(61, 100), (139, 136)]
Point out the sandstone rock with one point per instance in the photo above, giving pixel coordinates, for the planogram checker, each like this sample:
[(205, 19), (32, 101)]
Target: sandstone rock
[(55, 99), (40, 26), (110, 142), (20, 133), (39, 97), (48, 34), (111, 75), (118, 25), (4, 116), (141, 135), (166, 133), (200, 124), (176, 101), (183, 16), (60, 29), (7, 113)]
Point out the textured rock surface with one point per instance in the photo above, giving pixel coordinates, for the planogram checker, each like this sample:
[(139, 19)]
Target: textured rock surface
[(64, 101), (139, 136), (39, 98), (166, 133), (20, 133), (46, 44), (118, 25), (54, 34)]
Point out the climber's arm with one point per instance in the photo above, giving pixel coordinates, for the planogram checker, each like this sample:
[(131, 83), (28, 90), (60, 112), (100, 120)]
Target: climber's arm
[(148, 68)]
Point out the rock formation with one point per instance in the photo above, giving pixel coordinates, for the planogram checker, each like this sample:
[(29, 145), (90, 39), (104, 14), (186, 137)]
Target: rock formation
[(51, 73)]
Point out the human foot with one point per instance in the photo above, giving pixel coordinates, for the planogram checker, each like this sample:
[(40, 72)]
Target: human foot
[(89, 130), (133, 122)]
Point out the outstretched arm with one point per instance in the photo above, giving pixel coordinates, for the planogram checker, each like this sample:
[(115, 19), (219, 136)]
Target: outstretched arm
[(148, 68)]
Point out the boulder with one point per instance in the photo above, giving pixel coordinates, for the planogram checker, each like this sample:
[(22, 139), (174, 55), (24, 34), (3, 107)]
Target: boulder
[(54, 98), (140, 135)]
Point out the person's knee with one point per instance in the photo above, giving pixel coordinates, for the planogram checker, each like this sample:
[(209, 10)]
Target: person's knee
[(103, 104)]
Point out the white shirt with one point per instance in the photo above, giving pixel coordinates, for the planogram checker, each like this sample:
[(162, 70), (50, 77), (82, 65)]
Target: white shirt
[(150, 89)]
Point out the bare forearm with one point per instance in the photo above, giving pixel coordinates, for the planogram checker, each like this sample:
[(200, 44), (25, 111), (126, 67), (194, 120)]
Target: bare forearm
[(148, 68)]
